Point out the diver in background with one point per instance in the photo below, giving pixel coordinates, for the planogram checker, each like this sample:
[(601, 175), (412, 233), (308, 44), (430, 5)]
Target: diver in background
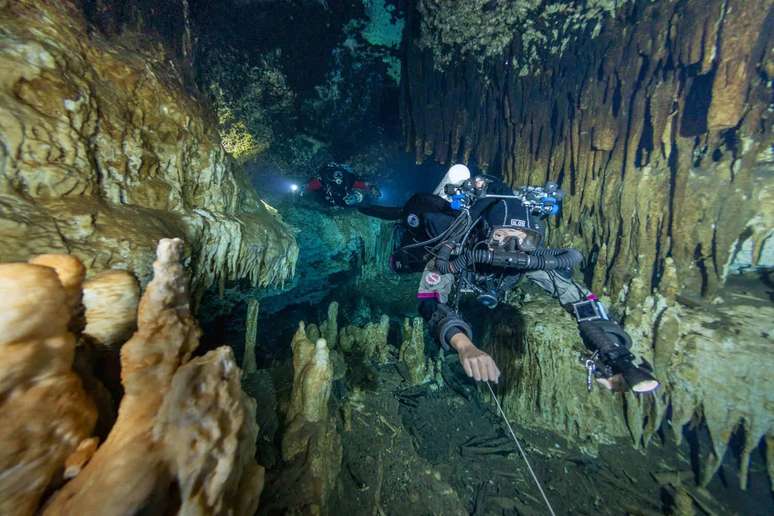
[(476, 236), (337, 185)]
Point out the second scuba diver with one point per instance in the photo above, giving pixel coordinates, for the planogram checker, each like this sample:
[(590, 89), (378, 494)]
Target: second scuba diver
[(337, 185), (479, 236)]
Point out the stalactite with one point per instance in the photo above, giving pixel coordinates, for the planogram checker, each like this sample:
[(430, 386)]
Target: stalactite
[(107, 151)]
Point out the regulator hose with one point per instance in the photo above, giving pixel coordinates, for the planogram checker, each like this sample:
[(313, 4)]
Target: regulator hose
[(544, 259)]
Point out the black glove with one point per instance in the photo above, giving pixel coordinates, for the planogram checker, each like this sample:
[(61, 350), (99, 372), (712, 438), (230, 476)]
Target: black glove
[(609, 340)]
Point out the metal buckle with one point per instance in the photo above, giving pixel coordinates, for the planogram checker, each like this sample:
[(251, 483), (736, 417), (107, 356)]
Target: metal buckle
[(592, 369), (582, 313)]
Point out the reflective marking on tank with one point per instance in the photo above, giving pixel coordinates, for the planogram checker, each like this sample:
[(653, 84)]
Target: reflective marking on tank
[(433, 278)]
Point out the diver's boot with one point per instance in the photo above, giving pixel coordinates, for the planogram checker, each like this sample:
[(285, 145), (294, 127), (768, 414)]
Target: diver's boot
[(638, 379), (613, 362)]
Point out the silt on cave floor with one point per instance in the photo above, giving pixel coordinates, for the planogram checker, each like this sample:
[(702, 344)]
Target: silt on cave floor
[(440, 447)]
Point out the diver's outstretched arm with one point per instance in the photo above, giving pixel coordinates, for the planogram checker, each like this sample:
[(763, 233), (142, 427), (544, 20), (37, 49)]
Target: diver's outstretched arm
[(601, 334), (382, 212)]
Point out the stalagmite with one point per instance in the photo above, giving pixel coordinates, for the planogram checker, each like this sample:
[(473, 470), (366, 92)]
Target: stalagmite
[(380, 340), (412, 351), (311, 445), (251, 336), (312, 375), (370, 341), (330, 328), (48, 414), (180, 422)]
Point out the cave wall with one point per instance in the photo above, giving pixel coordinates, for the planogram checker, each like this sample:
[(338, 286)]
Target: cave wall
[(658, 128), (104, 152), (656, 123)]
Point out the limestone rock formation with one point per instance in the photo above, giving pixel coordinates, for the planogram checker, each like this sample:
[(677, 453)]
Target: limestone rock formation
[(110, 300), (311, 444), (48, 414), (412, 351), (696, 351), (370, 341), (181, 422), (543, 385), (104, 153), (658, 129)]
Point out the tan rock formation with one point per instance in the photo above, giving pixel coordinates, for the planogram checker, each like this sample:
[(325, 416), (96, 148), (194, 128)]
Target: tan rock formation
[(543, 385), (110, 299), (311, 445), (181, 422), (370, 341), (329, 329), (104, 153), (48, 414)]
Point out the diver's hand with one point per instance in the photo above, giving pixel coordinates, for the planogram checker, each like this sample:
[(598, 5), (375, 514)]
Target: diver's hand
[(477, 364)]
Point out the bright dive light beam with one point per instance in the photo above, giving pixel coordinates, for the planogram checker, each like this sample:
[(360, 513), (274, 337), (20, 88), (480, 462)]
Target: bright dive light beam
[(294, 188)]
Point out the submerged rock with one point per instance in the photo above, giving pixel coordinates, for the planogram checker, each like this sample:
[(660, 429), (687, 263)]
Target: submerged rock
[(311, 444), (104, 153), (181, 421), (48, 413)]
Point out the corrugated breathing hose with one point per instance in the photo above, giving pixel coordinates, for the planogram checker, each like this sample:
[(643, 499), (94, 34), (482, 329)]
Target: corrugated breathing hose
[(544, 259)]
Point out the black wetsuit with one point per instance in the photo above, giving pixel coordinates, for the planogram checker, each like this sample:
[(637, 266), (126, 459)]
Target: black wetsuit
[(335, 183), (429, 216)]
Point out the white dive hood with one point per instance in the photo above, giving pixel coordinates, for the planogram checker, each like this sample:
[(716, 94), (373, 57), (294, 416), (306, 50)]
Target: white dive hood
[(456, 175)]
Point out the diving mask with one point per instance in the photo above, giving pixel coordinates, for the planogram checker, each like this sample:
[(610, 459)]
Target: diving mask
[(515, 238)]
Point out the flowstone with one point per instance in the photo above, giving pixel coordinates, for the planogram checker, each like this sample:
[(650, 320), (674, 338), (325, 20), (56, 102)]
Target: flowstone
[(543, 385)]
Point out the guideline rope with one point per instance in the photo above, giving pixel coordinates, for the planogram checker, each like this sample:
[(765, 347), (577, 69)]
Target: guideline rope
[(521, 450)]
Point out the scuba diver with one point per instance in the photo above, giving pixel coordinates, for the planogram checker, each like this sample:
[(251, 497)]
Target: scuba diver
[(478, 236), (337, 185)]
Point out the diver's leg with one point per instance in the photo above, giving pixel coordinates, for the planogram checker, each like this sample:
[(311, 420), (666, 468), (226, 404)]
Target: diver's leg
[(559, 285)]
